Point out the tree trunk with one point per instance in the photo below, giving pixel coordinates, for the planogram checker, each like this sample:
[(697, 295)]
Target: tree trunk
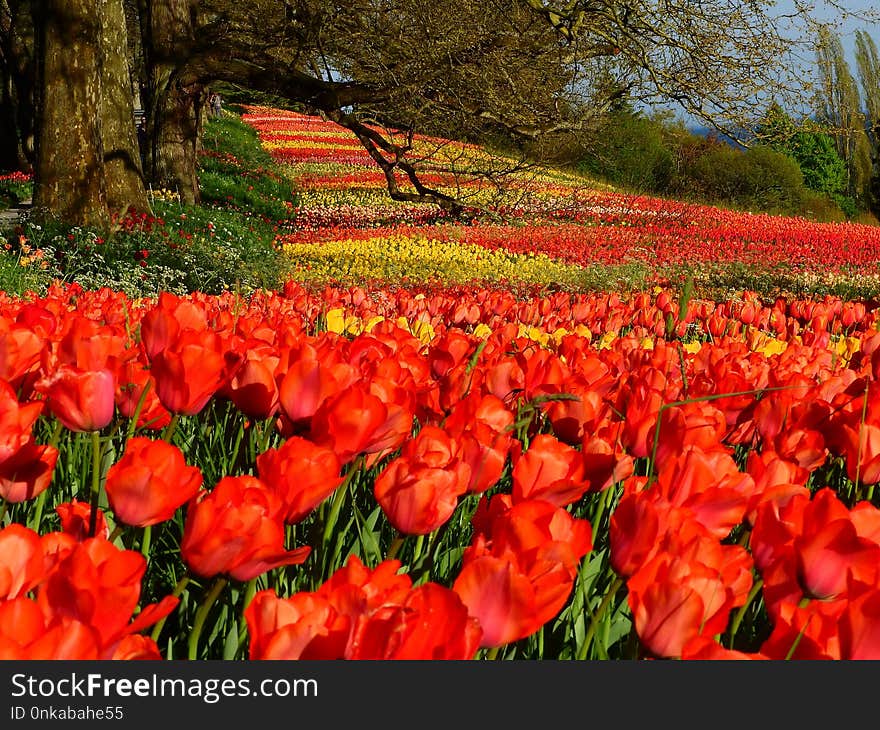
[(175, 108), (69, 181), (122, 161), (16, 96), (11, 157)]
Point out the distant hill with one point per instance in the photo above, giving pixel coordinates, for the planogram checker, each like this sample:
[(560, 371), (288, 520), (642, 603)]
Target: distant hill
[(704, 131)]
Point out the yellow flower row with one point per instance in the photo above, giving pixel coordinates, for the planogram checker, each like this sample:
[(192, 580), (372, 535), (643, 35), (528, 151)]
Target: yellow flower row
[(401, 257), (348, 324), (297, 144)]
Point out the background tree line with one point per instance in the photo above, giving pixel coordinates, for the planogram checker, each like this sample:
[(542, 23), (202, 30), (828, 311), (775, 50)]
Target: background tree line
[(509, 71), (824, 165)]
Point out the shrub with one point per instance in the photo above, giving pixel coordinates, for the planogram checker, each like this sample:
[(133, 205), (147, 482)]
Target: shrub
[(760, 179), (630, 151)]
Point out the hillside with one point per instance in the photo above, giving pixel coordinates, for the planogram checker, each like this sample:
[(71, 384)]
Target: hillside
[(549, 227)]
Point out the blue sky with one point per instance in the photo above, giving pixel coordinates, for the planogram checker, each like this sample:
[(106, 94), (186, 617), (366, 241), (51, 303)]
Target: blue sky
[(846, 28)]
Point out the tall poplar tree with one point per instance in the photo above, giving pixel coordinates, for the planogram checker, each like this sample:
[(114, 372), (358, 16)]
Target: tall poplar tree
[(840, 110), (868, 64)]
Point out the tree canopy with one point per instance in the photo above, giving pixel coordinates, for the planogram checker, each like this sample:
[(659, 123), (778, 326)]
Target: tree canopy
[(387, 69)]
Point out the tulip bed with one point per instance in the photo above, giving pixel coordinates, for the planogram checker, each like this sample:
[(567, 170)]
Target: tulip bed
[(447, 469), (437, 473), (556, 227)]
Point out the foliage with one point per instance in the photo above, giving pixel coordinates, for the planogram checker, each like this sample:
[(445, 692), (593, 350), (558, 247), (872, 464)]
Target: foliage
[(630, 150), (813, 148), (229, 245), (759, 178), (15, 187)]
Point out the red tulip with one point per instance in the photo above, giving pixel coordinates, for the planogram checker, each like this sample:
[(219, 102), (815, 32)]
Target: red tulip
[(28, 473), (151, 480), (21, 561), (303, 626), (687, 591), (189, 372), (27, 633), (301, 473), (99, 585), (549, 470), (419, 490), (75, 518), (519, 575), (356, 421), (16, 422), (237, 529), (133, 380), (83, 400), (430, 623)]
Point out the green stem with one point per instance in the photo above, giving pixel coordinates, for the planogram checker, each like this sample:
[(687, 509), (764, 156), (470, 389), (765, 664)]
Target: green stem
[(202, 614), (594, 619), (492, 653), (56, 434), (145, 542), (117, 531), (336, 504), (396, 544), (171, 428), (96, 482), (738, 617), (604, 498), (132, 426), (3, 507), (38, 510), (249, 592), (794, 645), (178, 589)]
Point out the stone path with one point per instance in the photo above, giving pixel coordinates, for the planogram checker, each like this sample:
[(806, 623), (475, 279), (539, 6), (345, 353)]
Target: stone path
[(11, 217)]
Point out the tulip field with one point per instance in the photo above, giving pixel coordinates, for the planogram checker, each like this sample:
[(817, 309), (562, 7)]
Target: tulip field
[(439, 441)]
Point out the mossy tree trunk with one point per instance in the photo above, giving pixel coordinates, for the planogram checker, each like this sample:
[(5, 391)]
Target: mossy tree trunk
[(87, 165), (122, 162), (69, 181), (175, 112)]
